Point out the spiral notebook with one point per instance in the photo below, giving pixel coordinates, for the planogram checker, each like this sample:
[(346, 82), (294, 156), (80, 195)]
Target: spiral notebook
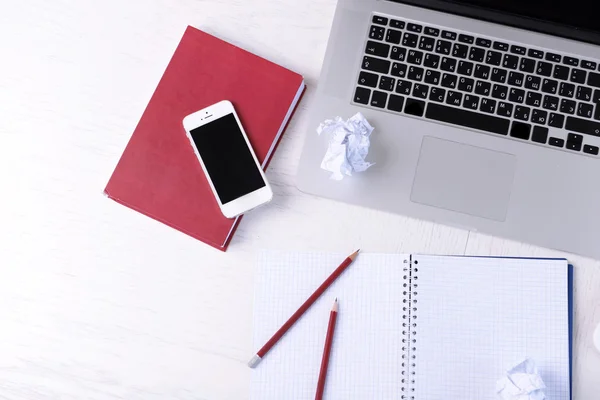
[(412, 326)]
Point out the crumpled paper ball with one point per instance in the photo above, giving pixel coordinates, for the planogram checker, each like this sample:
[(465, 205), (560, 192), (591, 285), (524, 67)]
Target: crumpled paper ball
[(522, 382), (348, 145)]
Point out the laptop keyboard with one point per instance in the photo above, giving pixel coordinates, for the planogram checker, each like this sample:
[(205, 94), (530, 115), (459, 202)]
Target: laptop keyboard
[(481, 83)]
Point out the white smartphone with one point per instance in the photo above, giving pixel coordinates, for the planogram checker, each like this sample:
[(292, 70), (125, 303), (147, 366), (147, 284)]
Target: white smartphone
[(224, 152)]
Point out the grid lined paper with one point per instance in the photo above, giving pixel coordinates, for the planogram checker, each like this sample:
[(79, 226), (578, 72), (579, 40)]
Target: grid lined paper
[(477, 317), (366, 358)]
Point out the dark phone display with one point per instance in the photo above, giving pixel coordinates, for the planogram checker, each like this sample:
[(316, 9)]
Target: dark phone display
[(227, 158)]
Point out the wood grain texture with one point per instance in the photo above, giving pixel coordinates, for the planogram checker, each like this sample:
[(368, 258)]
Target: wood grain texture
[(99, 302)]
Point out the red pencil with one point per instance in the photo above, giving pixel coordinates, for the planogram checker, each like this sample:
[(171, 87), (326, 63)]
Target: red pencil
[(327, 351), (254, 361)]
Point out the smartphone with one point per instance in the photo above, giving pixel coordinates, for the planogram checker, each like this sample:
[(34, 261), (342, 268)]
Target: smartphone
[(224, 152)]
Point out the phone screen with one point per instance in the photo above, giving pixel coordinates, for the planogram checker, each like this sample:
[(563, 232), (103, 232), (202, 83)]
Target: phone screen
[(227, 158)]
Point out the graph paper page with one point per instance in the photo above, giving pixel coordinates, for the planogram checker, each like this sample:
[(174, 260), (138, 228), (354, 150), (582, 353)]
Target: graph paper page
[(366, 356), (478, 317)]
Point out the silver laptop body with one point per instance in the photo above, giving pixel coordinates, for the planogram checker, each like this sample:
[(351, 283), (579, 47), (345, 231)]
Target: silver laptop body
[(497, 180)]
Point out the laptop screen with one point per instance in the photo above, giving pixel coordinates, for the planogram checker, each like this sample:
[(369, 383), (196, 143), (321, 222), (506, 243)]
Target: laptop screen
[(573, 19)]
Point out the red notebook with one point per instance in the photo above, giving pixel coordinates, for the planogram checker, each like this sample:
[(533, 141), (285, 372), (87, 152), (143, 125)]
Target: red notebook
[(158, 174)]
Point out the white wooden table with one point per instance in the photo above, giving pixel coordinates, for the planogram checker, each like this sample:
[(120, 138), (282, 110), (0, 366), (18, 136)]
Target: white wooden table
[(99, 302)]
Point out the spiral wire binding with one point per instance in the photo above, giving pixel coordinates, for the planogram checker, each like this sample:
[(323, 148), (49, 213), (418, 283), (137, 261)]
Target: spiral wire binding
[(409, 331)]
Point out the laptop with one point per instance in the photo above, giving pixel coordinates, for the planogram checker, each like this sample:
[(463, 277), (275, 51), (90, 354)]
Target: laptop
[(485, 112)]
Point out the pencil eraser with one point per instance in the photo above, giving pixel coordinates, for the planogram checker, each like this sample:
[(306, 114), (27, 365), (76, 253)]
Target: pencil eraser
[(597, 337)]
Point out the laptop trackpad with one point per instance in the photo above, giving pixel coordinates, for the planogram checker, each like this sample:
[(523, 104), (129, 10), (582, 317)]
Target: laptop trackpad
[(464, 178)]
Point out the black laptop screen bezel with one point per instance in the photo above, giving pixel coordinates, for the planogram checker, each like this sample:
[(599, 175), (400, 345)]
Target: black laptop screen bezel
[(505, 18)]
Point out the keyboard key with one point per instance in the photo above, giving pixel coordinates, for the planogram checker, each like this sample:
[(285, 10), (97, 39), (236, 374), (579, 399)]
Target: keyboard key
[(361, 95), (431, 60), (533, 82), (376, 32), (549, 86), (522, 113), (437, 94), (367, 79), (574, 142), (466, 84), (516, 95), (583, 126), (596, 96), (510, 61), (471, 102), (585, 110), (468, 119), (539, 117), (567, 89), (414, 107), (544, 68), (561, 72), (465, 68), (527, 65), (533, 99), (588, 64), (597, 113), (398, 53), (427, 43), (454, 98), (376, 65), (415, 73), (393, 36), (499, 75), (493, 57), (590, 149), (517, 50), (499, 92), (567, 106), (398, 70), (578, 75), (395, 103), (483, 42), (551, 103), (571, 61), (501, 46), (483, 88), (403, 87), (476, 54), (482, 71), (556, 142), (460, 50), (387, 83), (539, 134), (520, 130), (414, 28), (449, 81), (466, 39), (432, 77), (556, 120), (420, 90), (377, 49), (409, 40), (432, 31), (448, 64), (584, 93), (488, 105), (594, 79), (414, 57), (515, 78), (535, 53), (397, 24), (448, 35), (379, 98), (443, 47), (379, 20), (553, 57), (505, 109)]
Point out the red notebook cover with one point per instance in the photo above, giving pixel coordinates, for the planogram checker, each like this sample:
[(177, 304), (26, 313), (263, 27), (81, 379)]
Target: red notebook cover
[(158, 174)]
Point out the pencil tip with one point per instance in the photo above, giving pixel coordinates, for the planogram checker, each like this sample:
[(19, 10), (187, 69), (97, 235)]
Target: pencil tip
[(353, 255), (335, 305)]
